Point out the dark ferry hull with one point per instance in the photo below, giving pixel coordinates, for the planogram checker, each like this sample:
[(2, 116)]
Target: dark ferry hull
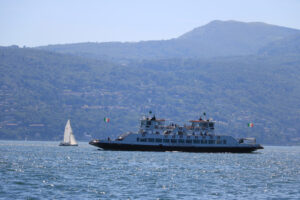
[(162, 148)]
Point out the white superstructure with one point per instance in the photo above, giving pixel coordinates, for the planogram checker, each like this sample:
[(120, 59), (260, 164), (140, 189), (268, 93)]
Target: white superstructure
[(199, 136)]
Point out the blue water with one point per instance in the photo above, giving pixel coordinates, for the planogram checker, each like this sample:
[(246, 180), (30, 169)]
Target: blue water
[(43, 170)]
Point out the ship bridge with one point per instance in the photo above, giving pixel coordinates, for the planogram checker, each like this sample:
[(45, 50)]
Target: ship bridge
[(202, 125), (152, 123)]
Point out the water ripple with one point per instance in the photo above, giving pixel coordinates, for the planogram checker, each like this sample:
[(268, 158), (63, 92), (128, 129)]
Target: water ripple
[(43, 170)]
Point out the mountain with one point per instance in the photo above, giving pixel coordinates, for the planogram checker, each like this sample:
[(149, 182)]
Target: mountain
[(40, 90), (285, 46), (218, 38)]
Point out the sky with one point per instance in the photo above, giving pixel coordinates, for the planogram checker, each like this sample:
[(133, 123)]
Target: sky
[(41, 22)]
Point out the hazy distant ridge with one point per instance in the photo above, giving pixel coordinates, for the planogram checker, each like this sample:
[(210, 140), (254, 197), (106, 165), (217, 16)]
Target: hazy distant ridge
[(218, 38)]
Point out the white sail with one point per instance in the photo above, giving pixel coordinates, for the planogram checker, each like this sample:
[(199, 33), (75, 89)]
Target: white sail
[(68, 131), (72, 138), (69, 138)]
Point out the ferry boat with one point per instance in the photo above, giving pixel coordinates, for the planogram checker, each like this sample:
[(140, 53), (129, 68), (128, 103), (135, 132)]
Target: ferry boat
[(199, 136)]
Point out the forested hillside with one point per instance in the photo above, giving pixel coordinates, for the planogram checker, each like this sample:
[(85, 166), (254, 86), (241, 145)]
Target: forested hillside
[(40, 90)]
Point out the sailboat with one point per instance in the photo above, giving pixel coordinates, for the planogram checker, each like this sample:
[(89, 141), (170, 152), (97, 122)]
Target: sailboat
[(69, 139)]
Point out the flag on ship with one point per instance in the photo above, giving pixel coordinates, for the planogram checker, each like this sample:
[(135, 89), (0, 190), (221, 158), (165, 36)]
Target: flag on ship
[(106, 119), (250, 124)]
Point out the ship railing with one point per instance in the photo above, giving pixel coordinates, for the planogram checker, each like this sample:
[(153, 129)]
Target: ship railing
[(167, 127), (247, 140), (160, 127), (189, 127), (121, 137)]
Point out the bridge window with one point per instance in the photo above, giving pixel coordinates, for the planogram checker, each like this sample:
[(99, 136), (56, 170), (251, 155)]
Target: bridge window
[(188, 141), (205, 125), (150, 139), (166, 140), (137, 139), (143, 139), (211, 141), (196, 141), (224, 141), (158, 140), (173, 141)]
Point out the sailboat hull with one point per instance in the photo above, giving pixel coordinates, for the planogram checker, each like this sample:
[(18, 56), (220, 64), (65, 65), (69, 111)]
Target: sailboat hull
[(67, 144)]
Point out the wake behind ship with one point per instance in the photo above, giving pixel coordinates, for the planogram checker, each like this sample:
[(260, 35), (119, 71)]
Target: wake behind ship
[(154, 135)]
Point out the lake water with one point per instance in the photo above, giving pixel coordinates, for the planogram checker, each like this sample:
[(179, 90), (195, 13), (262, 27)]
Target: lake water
[(43, 170)]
